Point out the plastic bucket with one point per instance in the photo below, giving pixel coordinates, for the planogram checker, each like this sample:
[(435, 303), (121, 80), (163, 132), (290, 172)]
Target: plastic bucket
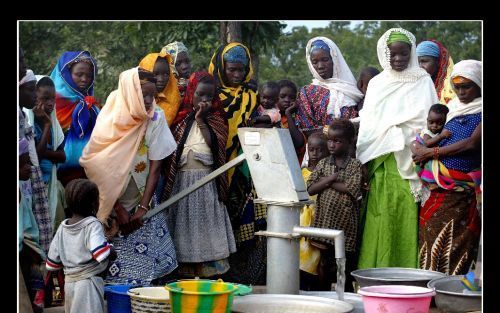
[(117, 298), (396, 298), (149, 300), (201, 296)]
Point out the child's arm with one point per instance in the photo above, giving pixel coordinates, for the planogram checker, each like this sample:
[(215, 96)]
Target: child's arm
[(315, 177), (325, 183), (53, 262), (44, 119), (431, 142), (97, 243), (355, 179), (200, 116), (339, 186), (263, 119), (297, 136), (473, 143), (58, 156), (317, 181)]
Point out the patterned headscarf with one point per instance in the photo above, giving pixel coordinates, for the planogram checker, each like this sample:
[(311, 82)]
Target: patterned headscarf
[(169, 99), (236, 55), (217, 126), (238, 102), (174, 48), (320, 44)]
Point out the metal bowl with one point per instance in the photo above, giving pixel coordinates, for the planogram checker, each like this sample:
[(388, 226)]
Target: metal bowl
[(276, 303), (450, 297), (394, 276)]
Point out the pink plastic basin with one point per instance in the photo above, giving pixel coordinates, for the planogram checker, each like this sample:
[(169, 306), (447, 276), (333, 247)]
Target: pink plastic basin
[(396, 299)]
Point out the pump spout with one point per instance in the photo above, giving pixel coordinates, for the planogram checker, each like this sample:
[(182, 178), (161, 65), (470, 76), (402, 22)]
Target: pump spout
[(336, 235)]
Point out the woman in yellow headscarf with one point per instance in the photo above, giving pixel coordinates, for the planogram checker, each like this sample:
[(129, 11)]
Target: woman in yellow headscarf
[(168, 97), (231, 66)]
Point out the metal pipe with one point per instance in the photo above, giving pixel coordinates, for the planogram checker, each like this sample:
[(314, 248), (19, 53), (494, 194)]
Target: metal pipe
[(239, 159), (282, 254), (336, 235)]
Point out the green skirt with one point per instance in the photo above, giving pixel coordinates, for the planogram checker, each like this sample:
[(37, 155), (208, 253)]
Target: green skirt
[(390, 235)]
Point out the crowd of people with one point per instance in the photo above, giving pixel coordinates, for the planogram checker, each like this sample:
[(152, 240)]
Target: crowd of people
[(392, 158)]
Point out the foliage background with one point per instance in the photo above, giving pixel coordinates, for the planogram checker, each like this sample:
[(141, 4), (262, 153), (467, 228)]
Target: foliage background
[(118, 46)]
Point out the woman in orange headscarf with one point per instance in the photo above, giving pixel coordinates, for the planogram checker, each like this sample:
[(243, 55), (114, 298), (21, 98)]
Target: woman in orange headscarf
[(123, 157), (168, 97)]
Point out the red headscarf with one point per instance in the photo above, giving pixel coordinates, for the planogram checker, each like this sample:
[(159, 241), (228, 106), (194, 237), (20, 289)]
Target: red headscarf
[(187, 102)]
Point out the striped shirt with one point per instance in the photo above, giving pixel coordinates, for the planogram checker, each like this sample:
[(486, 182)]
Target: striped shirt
[(81, 248)]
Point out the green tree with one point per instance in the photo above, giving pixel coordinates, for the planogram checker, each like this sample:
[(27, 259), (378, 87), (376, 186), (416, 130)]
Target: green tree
[(359, 45), (118, 46), (461, 39), (287, 59), (259, 37)]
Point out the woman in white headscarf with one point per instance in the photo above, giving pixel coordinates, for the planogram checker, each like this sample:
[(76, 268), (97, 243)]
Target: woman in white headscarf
[(396, 105), (181, 64), (450, 223), (332, 93)]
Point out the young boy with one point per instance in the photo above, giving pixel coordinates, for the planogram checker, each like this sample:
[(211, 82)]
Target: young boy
[(49, 141), (434, 133), (80, 247), (287, 106), (365, 76), (48, 133), (309, 254), (268, 114), (337, 182)]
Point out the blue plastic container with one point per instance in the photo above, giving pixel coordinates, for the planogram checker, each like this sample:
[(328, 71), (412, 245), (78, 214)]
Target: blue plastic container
[(118, 299)]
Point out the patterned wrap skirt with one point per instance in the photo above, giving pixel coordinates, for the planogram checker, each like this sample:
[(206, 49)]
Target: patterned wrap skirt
[(449, 230)]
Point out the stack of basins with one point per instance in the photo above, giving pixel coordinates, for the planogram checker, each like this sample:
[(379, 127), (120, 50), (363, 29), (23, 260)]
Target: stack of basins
[(392, 289)]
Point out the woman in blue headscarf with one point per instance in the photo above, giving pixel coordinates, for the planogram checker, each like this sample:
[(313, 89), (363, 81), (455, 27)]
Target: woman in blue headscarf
[(73, 77), (435, 59)]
